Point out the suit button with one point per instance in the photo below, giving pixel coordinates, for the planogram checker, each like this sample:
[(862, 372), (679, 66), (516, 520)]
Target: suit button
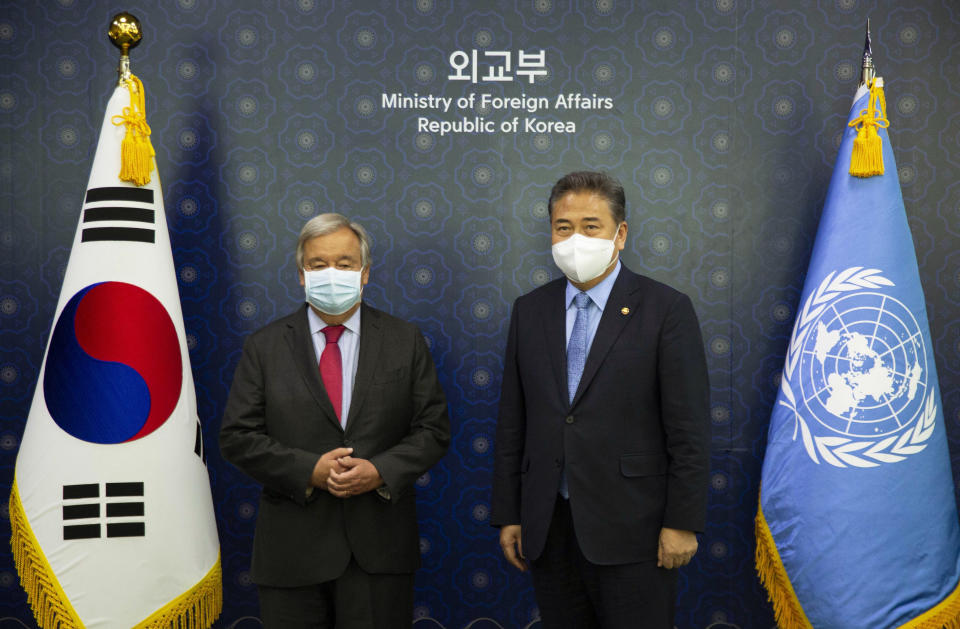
[(556, 463), (569, 419), (347, 443)]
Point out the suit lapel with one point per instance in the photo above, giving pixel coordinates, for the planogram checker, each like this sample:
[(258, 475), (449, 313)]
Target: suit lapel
[(554, 318), (371, 339), (305, 359), (612, 321)]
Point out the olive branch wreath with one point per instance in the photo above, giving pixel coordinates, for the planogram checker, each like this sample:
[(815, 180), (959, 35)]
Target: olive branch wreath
[(841, 451)]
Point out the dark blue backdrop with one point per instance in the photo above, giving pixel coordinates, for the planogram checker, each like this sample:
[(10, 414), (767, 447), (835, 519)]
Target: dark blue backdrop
[(725, 124)]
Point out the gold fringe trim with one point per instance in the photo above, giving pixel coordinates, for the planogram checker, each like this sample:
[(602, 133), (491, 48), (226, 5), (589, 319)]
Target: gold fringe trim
[(47, 599), (786, 607), (867, 157), (197, 608), (136, 151), (945, 614), (788, 611)]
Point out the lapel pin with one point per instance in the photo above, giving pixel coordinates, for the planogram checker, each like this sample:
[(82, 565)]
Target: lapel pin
[(624, 311)]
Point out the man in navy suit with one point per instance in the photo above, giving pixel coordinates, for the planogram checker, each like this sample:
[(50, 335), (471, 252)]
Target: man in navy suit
[(601, 468)]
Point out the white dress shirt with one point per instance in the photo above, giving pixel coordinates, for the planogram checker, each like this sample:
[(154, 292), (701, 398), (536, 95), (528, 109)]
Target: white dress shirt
[(598, 301)]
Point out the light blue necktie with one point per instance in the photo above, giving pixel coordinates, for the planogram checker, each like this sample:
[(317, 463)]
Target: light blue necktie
[(577, 347), (576, 359)]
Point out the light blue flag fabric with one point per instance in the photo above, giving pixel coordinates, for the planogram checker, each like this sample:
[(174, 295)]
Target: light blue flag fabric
[(857, 493)]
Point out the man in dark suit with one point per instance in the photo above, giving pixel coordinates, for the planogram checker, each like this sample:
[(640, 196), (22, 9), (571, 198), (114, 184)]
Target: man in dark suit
[(601, 467), (336, 410)]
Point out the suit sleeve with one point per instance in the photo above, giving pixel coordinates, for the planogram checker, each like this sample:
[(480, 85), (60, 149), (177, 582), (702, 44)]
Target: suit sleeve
[(511, 431), (685, 409), (245, 440), (429, 435)]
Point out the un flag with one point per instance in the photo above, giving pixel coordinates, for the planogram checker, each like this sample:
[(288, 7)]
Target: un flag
[(857, 525)]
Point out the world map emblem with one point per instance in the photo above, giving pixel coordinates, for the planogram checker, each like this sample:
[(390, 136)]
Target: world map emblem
[(857, 376)]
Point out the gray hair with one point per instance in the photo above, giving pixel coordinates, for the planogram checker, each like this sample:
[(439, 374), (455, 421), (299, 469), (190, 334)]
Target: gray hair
[(323, 224)]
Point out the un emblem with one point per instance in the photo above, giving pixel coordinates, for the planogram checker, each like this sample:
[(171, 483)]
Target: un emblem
[(857, 365)]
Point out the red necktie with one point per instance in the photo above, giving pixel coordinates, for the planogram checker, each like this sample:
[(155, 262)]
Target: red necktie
[(331, 367)]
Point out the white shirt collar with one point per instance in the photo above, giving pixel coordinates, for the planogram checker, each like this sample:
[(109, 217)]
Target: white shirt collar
[(317, 324), (599, 293)]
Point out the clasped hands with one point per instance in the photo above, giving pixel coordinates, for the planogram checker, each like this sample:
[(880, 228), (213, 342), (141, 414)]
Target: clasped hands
[(344, 475)]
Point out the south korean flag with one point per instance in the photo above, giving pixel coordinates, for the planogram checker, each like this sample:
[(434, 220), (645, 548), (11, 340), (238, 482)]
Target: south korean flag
[(111, 512)]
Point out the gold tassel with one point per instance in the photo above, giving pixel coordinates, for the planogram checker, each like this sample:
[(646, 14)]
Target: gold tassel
[(786, 607), (197, 608), (47, 599), (867, 157), (136, 152)]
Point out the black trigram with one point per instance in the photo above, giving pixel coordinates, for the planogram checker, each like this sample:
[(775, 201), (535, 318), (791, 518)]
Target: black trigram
[(124, 212), (85, 512), (198, 444)]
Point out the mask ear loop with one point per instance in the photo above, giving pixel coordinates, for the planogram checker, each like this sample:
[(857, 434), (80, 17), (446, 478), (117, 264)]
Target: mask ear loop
[(616, 259), (616, 252)]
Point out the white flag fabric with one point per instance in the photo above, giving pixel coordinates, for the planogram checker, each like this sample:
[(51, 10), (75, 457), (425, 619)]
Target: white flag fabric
[(111, 511)]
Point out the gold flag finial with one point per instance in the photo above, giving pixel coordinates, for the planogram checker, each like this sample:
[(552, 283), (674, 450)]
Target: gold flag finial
[(125, 33), (136, 152)]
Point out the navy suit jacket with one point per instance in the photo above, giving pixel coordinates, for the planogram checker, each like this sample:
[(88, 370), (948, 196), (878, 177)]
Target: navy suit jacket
[(635, 440), (279, 420)]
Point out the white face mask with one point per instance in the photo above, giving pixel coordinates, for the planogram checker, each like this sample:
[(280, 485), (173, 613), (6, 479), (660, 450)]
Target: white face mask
[(332, 291), (582, 258)]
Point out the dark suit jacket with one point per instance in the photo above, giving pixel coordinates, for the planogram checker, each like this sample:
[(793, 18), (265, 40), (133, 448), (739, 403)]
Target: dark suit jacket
[(635, 440), (279, 420)]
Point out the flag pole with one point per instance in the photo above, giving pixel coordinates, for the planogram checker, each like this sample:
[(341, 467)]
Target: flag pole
[(867, 70)]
